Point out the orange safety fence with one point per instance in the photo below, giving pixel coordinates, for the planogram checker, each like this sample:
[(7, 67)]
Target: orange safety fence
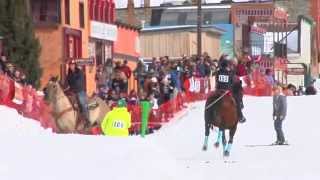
[(196, 89), (26, 101), (30, 104)]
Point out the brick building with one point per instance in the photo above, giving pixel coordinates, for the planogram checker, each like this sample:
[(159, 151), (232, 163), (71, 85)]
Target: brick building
[(103, 32), (64, 28)]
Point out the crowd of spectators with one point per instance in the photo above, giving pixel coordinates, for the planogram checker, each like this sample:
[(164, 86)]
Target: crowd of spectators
[(158, 81), (161, 79), (8, 68)]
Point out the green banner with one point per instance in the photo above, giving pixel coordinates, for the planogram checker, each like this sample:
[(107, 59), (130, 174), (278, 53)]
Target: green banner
[(145, 111)]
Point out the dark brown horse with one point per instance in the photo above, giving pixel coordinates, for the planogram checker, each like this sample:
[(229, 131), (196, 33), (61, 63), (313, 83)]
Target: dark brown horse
[(221, 112)]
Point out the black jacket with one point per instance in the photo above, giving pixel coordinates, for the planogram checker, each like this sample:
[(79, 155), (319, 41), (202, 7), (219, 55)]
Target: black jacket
[(224, 79), (76, 80), (118, 85)]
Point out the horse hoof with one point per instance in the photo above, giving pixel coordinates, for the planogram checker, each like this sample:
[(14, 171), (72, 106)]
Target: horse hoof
[(243, 120), (216, 145), (204, 148), (226, 153)]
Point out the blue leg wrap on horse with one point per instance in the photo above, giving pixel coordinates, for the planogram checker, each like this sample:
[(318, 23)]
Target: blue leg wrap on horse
[(228, 147), (206, 141), (219, 138)]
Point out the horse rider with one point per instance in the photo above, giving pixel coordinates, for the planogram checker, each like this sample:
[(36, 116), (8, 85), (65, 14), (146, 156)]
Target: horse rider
[(227, 81), (75, 81)]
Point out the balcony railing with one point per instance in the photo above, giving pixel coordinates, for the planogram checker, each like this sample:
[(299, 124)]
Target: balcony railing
[(45, 20)]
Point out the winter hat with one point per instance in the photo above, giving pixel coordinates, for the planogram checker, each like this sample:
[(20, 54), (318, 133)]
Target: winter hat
[(122, 103)]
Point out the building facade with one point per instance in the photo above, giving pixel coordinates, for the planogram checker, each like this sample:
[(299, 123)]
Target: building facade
[(177, 41), (127, 47), (64, 29), (103, 32), (315, 12)]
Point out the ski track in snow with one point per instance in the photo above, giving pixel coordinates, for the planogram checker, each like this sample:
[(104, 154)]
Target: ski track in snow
[(174, 152)]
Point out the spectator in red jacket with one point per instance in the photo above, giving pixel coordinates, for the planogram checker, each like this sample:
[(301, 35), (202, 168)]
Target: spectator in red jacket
[(127, 71), (241, 69)]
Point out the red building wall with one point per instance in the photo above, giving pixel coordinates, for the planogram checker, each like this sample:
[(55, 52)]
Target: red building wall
[(126, 42), (126, 48), (315, 12)]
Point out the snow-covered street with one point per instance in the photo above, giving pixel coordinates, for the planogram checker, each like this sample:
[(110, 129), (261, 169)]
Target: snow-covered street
[(174, 152)]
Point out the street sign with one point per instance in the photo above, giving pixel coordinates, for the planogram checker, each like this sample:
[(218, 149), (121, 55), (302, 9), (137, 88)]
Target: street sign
[(84, 61)]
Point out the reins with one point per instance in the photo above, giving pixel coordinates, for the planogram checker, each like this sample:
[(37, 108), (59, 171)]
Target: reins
[(214, 102)]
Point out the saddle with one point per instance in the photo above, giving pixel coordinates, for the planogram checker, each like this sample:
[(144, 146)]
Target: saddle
[(92, 102)]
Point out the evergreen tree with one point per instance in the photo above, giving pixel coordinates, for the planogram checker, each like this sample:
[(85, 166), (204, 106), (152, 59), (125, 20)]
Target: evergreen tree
[(21, 46)]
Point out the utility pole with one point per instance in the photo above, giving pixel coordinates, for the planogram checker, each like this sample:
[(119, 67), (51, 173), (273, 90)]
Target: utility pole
[(199, 30)]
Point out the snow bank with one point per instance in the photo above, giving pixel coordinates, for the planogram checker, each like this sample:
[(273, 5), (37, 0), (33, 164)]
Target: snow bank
[(12, 123)]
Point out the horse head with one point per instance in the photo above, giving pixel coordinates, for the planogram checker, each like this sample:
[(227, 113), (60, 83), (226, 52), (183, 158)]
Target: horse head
[(52, 89)]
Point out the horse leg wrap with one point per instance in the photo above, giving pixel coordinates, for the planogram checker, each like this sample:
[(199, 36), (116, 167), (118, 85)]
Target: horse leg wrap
[(219, 138), (206, 141), (228, 147)]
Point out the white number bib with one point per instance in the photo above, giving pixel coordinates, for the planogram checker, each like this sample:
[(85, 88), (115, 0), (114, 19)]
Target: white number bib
[(118, 124), (223, 78)]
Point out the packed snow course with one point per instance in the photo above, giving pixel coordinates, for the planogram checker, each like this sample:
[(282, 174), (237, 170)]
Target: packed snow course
[(173, 153)]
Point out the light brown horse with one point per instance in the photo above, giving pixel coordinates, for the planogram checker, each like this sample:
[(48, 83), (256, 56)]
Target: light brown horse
[(221, 111), (64, 113)]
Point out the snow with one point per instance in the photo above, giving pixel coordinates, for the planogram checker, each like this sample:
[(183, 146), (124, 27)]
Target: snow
[(174, 152)]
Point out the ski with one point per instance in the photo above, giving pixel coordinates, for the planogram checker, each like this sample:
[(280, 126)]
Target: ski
[(266, 145)]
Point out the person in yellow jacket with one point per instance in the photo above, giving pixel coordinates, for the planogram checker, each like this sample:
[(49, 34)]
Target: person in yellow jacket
[(118, 121)]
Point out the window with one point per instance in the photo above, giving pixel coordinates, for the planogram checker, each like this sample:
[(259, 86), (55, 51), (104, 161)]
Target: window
[(91, 9), (43, 10), (182, 17), (81, 14), (112, 10), (67, 11), (101, 11), (96, 12), (106, 12), (207, 18)]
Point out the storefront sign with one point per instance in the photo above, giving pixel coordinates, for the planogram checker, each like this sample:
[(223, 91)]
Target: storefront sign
[(103, 31), (84, 61), (296, 71)]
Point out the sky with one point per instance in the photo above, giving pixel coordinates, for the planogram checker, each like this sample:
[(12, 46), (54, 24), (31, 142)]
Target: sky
[(123, 3)]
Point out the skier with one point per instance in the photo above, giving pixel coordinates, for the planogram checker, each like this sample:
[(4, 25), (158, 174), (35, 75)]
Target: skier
[(279, 114)]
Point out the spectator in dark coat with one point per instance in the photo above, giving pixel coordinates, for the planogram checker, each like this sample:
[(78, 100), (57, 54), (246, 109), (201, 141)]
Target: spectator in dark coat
[(310, 90), (140, 73), (165, 90), (279, 114), (201, 68), (118, 83), (3, 62)]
